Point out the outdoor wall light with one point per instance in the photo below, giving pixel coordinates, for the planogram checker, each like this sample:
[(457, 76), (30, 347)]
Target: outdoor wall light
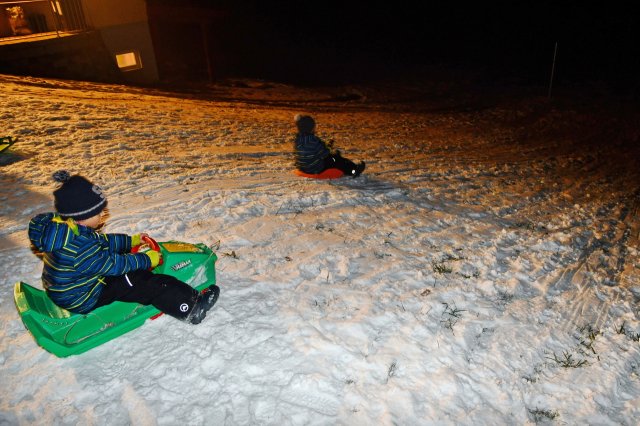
[(129, 61)]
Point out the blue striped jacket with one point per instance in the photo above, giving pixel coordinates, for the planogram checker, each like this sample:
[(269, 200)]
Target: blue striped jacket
[(310, 152), (76, 258)]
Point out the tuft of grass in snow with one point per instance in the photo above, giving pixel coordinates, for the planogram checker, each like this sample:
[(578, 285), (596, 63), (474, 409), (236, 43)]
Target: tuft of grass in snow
[(441, 268), (533, 378), (232, 254), (425, 292), (451, 315), (381, 255), (504, 297), (540, 415), (630, 334), (588, 337), (454, 258), (391, 371), (567, 360), (476, 274), (321, 227)]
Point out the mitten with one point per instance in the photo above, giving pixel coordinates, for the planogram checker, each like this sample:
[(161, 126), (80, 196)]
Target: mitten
[(154, 256), (136, 239)]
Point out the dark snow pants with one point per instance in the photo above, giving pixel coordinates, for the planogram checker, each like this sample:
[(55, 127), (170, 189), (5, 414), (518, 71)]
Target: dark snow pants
[(336, 161), (168, 294)]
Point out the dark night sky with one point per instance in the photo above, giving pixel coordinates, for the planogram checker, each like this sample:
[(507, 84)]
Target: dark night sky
[(315, 38)]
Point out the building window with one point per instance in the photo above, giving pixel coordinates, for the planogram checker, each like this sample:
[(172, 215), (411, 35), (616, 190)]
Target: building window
[(129, 61)]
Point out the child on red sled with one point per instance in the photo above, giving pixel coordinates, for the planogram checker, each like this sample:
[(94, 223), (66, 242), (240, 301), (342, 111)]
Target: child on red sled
[(313, 155)]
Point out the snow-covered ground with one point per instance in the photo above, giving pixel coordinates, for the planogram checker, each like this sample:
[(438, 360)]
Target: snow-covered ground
[(484, 269)]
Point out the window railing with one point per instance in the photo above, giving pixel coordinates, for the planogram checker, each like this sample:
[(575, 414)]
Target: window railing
[(34, 18)]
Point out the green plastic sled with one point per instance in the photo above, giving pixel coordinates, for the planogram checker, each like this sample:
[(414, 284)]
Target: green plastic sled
[(64, 333), (6, 142)]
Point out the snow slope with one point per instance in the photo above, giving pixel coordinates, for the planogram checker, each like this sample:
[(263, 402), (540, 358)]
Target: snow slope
[(483, 270)]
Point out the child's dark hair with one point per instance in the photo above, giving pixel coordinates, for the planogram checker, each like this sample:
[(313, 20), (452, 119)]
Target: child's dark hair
[(305, 123)]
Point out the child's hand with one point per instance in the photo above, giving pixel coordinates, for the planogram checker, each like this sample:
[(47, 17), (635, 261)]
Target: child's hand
[(154, 256), (136, 239)]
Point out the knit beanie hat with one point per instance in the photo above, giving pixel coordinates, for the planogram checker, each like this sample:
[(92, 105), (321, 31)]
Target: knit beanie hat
[(305, 123), (77, 198)]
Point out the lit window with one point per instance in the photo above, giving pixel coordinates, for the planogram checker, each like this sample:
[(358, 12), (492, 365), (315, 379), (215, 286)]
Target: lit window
[(128, 61)]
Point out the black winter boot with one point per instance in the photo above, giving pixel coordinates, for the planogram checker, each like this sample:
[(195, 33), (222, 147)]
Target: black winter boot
[(359, 169), (205, 301)]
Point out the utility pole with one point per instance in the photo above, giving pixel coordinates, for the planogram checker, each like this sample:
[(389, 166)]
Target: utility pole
[(553, 68)]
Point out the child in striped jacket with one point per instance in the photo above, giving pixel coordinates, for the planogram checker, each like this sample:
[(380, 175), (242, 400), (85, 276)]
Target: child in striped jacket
[(313, 155), (84, 268)]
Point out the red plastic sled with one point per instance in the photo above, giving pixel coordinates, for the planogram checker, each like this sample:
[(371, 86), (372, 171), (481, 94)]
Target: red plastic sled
[(327, 174)]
